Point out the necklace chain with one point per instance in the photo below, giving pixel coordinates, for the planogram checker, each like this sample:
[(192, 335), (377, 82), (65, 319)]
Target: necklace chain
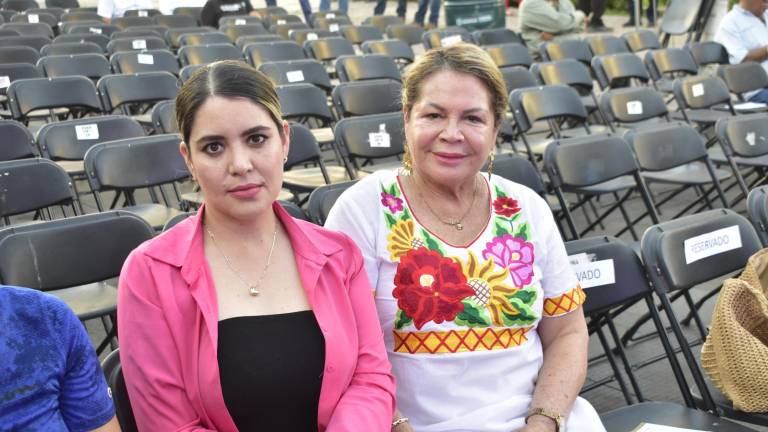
[(458, 223), (252, 289)]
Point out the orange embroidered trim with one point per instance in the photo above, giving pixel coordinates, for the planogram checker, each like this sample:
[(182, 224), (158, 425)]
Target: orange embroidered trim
[(452, 341), (564, 303)]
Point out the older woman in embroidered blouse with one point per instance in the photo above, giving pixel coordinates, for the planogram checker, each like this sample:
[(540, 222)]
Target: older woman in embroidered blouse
[(480, 309)]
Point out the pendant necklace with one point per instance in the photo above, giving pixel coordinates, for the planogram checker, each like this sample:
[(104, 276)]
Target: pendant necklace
[(253, 289)]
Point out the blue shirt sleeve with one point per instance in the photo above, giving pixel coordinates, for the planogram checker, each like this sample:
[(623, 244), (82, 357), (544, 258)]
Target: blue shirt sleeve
[(85, 400)]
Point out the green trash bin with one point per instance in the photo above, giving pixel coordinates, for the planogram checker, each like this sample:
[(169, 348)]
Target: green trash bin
[(475, 14)]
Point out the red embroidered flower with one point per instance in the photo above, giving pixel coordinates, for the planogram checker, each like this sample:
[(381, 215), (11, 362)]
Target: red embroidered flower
[(505, 206), (430, 287)]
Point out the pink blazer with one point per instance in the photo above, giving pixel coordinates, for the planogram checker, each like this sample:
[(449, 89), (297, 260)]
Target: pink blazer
[(168, 321)]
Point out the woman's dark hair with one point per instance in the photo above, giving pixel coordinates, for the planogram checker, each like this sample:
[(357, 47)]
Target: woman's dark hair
[(229, 79)]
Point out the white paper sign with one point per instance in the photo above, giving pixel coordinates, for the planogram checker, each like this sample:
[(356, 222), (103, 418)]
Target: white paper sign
[(33, 18), (650, 427), (5, 81), (712, 243), (333, 27), (311, 36), (139, 44), (450, 40), (380, 138), (750, 138), (330, 15), (280, 22), (143, 13), (595, 273), (87, 131), (95, 30), (697, 90), (294, 76), (240, 21), (146, 59), (634, 107)]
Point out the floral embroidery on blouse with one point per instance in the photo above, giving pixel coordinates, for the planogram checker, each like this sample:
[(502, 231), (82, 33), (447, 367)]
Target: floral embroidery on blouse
[(491, 290)]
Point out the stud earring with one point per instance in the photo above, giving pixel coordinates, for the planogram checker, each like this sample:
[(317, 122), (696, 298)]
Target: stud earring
[(491, 157)]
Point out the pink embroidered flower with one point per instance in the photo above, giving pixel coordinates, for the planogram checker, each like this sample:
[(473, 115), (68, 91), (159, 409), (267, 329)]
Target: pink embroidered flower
[(516, 254), (394, 203)]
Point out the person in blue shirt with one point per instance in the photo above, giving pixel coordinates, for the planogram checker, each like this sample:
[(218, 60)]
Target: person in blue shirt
[(50, 379)]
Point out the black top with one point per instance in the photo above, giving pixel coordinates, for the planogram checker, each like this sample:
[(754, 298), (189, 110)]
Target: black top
[(271, 368), (215, 9)]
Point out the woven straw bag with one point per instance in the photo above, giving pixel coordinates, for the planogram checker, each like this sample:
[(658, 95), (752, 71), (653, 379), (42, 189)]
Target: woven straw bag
[(735, 354)]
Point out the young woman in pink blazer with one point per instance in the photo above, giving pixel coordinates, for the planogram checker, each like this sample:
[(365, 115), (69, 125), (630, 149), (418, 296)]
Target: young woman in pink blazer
[(243, 318)]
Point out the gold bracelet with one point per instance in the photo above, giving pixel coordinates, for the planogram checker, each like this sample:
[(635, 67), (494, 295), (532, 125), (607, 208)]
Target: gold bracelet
[(399, 421), (554, 415)]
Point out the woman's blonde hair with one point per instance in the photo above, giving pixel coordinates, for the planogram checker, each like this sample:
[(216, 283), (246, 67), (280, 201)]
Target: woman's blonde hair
[(463, 58)]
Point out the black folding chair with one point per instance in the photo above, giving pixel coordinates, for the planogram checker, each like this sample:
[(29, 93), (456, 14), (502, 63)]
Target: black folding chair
[(446, 36), (77, 95), (366, 97), (509, 54), (322, 199), (35, 185), (367, 138), (366, 67), (743, 78), (92, 66), (18, 142), (71, 48), (297, 71), (757, 208), (497, 36), (357, 34), (204, 54), (400, 51), (175, 20), (233, 32), (263, 52), (743, 146), (411, 34), (641, 40), (205, 38), (164, 117), (136, 94), (620, 70), (607, 44), (134, 62), (136, 43)]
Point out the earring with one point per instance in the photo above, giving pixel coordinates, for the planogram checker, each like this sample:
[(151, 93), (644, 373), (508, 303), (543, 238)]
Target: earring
[(491, 157), (407, 161), (285, 159)]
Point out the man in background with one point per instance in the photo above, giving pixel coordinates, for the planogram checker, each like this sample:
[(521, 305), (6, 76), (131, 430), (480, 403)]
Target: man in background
[(744, 35)]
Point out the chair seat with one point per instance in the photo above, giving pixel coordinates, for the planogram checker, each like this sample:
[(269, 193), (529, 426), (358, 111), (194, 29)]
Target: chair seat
[(144, 119), (312, 178), (716, 155), (704, 116), (627, 419), (156, 215), (692, 173), (614, 185), (665, 85), (323, 135), (91, 300), (72, 167)]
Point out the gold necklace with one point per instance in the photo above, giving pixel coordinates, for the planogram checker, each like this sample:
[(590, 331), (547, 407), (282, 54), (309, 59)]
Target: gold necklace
[(458, 223), (252, 289)]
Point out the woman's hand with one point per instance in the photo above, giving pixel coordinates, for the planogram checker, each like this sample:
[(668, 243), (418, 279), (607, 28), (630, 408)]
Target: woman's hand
[(403, 427)]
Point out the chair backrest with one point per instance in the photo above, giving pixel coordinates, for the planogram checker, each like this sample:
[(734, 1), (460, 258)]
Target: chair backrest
[(297, 71), (518, 77), (743, 77), (632, 105), (18, 54), (757, 208), (275, 20), (119, 90), (510, 54), (35, 42), (137, 43), (17, 142), (30, 29), (93, 66), (135, 163), (57, 12), (322, 199), (235, 31), (173, 35), (69, 252), (708, 52), (172, 222), (411, 34), (617, 70), (533, 104), (367, 97), (301, 36), (366, 67), (175, 21), (569, 72), (71, 139), (382, 22), (520, 170), (685, 252), (98, 39), (36, 17), (371, 136), (664, 146), (71, 16), (680, 17), (66, 4), (71, 48), (744, 135), (670, 62), (641, 40), (142, 31), (164, 117), (332, 24), (270, 10), (205, 38), (26, 95), (87, 27), (361, 33), (586, 161), (394, 48), (143, 12), (444, 37), (607, 44), (239, 20), (193, 11), (12, 71), (302, 100), (186, 72), (262, 52), (32, 184), (243, 41), (699, 92), (284, 30), (19, 5), (131, 21), (576, 49), (204, 54), (304, 148), (329, 49), (496, 36), (144, 61)]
